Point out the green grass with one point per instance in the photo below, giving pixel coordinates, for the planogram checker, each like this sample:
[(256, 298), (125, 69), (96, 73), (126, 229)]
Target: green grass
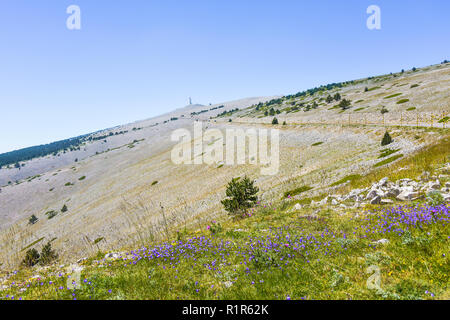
[(411, 109), (425, 159), (388, 160), (402, 101), (359, 109), (98, 240), (393, 96), (387, 152), (297, 191), (345, 179), (374, 88), (317, 144)]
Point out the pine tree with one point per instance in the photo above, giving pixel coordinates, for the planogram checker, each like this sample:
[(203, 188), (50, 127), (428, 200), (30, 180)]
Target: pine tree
[(241, 195), (386, 139), (47, 254)]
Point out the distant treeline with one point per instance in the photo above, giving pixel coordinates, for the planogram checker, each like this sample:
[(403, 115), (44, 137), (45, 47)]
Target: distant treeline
[(71, 144), (14, 157)]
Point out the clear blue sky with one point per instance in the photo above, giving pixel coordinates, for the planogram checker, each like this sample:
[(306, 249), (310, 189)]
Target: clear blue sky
[(135, 59)]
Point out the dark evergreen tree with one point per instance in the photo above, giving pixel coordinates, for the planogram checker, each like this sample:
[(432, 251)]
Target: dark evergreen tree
[(386, 139), (241, 195)]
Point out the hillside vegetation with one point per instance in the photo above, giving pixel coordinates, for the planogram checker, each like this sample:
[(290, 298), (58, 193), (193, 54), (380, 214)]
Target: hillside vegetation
[(357, 210)]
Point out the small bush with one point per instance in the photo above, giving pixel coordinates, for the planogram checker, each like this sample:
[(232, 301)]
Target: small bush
[(435, 198), (345, 104), (387, 139), (33, 219), (82, 178), (31, 258), (64, 209), (47, 255), (154, 182), (215, 227), (275, 121)]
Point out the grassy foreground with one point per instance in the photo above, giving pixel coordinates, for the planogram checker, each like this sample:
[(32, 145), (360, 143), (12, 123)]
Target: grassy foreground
[(277, 254)]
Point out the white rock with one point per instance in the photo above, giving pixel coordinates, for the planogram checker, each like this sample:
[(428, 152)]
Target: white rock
[(382, 241), (407, 195), (376, 200), (297, 206), (112, 255), (372, 194), (436, 185), (386, 201), (383, 182), (324, 201)]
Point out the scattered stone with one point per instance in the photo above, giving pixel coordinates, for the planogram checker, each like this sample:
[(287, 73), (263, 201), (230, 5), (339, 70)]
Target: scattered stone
[(386, 201), (382, 241), (383, 182), (112, 255), (393, 192), (376, 200), (435, 185), (372, 194)]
